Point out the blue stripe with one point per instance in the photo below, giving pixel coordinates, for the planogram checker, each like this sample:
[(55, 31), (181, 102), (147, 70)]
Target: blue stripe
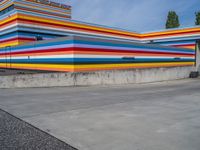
[(9, 35), (166, 49), (177, 42), (42, 45), (93, 60)]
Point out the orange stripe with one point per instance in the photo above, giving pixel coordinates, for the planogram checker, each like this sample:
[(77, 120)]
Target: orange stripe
[(74, 29), (95, 53), (42, 68), (123, 68), (93, 69)]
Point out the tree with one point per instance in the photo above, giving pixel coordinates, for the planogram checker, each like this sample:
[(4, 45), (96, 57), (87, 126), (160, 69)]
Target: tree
[(197, 18), (172, 20)]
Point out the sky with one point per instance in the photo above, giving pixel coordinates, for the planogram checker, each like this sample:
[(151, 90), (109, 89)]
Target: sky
[(133, 15)]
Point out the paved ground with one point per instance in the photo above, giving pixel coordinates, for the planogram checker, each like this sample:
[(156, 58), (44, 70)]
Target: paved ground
[(161, 116)]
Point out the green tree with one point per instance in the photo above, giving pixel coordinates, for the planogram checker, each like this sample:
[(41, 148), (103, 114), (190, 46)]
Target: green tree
[(197, 18), (172, 20)]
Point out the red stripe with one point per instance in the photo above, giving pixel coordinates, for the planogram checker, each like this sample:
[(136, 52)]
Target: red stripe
[(43, 51), (124, 34), (168, 34), (185, 45), (94, 50), (126, 51), (20, 38), (8, 22), (78, 28)]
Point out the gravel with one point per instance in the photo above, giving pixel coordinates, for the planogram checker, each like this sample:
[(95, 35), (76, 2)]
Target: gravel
[(15, 134)]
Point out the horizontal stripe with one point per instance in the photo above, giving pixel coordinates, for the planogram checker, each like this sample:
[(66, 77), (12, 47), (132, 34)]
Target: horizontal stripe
[(94, 67), (191, 31), (91, 50), (88, 56), (43, 12), (94, 60), (61, 53), (106, 46)]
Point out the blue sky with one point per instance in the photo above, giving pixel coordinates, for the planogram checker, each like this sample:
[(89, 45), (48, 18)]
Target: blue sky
[(134, 15)]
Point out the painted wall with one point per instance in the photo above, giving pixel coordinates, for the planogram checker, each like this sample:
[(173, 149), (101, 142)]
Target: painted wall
[(75, 54), (44, 20), (90, 47)]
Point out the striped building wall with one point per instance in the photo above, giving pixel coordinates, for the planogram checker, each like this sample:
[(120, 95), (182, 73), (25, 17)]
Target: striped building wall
[(84, 46), (180, 37), (23, 18), (14, 30), (74, 54)]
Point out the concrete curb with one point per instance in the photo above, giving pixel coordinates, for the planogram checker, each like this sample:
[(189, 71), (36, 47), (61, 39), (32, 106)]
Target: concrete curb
[(95, 78)]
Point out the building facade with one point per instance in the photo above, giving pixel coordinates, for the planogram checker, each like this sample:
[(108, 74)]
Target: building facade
[(69, 45)]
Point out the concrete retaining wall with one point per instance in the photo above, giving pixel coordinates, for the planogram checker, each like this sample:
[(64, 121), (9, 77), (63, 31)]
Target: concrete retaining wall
[(95, 78)]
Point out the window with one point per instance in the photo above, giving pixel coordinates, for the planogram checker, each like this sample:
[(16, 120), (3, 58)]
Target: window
[(39, 38)]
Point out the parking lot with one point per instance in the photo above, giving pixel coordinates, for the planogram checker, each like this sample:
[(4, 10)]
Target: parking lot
[(154, 116)]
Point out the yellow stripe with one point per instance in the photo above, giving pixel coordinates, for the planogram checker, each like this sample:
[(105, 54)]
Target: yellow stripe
[(83, 26), (189, 47), (9, 44), (45, 20), (10, 18), (77, 68), (179, 31), (97, 65), (5, 6), (28, 17), (128, 65), (18, 65)]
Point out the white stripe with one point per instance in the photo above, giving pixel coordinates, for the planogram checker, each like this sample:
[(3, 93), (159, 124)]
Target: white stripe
[(90, 56), (74, 31)]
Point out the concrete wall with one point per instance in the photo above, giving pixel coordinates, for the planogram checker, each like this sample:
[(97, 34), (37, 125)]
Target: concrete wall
[(198, 56), (95, 78)]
